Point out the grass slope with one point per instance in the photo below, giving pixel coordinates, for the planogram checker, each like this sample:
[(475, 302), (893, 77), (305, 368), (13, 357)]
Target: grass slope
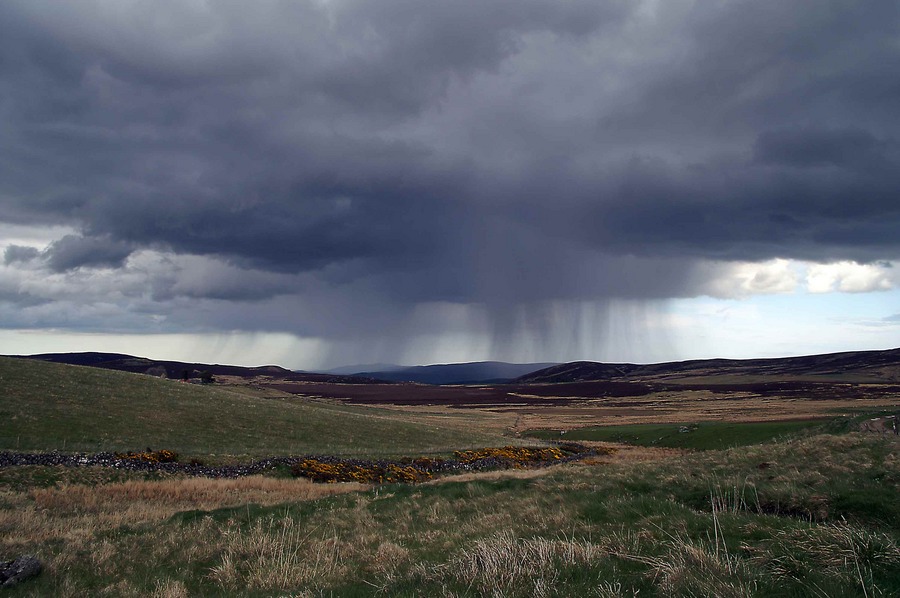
[(47, 406)]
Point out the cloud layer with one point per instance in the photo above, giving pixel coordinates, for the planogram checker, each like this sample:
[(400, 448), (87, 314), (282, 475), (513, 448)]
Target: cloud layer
[(349, 163)]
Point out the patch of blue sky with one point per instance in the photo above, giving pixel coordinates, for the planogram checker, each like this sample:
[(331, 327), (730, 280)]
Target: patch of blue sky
[(799, 323)]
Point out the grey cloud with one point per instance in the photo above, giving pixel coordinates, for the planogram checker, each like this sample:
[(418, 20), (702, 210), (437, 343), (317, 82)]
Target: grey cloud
[(245, 166), (73, 251), (404, 53), (466, 152), (736, 212), (199, 278), (19, 253), (13, 303)]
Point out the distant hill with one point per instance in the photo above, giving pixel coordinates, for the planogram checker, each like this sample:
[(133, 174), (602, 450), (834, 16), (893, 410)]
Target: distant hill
[(349, 370), (175, 369), (481, 372), (852, 366)]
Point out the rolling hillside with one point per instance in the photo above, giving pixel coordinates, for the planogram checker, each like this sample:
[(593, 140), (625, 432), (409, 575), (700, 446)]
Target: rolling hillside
[(176, 369), (49, 406)]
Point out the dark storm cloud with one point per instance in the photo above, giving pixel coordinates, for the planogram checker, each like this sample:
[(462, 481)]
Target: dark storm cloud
[(73, 251), (455, 151), (847, 148)]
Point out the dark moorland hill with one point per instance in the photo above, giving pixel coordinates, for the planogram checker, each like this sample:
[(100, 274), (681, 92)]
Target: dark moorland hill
[(176, 369), (852, 366), (483, 372), (848, 367)]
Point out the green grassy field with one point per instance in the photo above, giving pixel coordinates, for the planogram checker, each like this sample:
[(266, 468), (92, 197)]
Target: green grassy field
[(47, 406), (701, 436)]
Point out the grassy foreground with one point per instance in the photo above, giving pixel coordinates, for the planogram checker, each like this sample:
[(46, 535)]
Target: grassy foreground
[(818, 516), (48, 406)]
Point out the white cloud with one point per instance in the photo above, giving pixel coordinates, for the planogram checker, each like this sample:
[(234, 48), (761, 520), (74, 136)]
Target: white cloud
[(850, 277), (730, 280), (743, 279)]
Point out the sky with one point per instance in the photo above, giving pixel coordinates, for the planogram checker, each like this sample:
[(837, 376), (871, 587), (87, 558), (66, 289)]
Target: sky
[(331, 182)]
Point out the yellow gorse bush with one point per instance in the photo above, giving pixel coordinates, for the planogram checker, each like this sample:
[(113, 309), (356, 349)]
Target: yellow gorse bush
[(341, 471), (424, 468), (517, 456), (163, 456)]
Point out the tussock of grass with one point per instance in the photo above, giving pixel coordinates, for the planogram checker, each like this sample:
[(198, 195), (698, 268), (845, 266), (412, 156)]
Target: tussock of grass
[(277, 553), (503, 564), (695, 568), (167, 588)]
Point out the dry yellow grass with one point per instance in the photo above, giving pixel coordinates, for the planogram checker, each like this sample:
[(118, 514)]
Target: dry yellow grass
[(277, 553), (79, 516), (504, 563), (77, 512), (166, 497)]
